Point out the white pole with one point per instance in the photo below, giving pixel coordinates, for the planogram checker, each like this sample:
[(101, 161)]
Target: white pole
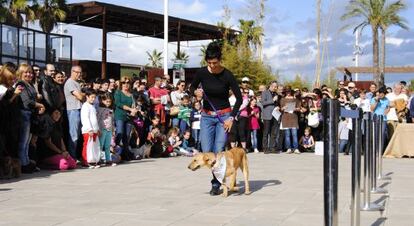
[(165, 36), (61, 40), (357, 51)]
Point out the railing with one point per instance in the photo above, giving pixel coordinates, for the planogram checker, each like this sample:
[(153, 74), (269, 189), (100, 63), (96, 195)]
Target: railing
[(372, 127)]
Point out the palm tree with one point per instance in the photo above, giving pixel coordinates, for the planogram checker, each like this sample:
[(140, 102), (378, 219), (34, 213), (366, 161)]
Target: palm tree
[(155, 58), (50, 12), (370, 12), (251, 35), (181, 56), (11, 12), (390, 17)]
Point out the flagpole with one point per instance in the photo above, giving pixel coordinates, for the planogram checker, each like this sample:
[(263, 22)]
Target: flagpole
[(165, 36)]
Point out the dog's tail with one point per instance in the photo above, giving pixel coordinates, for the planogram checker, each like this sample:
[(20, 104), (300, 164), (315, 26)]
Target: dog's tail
[(245, 165)]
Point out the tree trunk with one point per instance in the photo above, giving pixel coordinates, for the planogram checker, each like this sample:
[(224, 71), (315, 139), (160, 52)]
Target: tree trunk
[(375, 52), (383, 43)]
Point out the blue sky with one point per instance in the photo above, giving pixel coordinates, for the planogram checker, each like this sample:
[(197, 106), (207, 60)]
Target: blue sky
[(290, 33)]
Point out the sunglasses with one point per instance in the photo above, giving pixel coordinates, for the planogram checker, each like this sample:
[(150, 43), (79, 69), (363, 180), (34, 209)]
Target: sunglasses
[(124, 82)]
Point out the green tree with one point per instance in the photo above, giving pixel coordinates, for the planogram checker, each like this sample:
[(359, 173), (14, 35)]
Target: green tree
[(298, 82), (182, 55), (331, 81), (203, 49), (371, 13), (390, 18), (154, 58)]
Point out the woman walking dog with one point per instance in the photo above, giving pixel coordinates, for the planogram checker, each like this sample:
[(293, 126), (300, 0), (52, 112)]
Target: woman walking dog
[(217, 115)]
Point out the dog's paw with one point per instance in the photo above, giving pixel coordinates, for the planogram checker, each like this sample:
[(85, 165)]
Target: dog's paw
[(235, 189)]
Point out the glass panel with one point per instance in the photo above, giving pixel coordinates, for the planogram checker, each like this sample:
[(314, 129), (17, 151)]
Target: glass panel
[(60, 47), (8, 59), (26, 45), (40, 46), (9, 40)]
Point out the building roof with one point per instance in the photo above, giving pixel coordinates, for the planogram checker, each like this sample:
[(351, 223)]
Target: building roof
[(139, 22)]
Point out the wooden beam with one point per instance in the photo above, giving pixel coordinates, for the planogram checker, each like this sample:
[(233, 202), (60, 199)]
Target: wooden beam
[(405, 69)]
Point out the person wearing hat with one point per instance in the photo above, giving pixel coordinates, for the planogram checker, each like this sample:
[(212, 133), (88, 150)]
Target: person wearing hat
[(245, 85)]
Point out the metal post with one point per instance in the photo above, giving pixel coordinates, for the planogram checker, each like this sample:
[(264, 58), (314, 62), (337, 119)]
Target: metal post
[(368, 206), (165, 36), (381, 138), (330, 110), (356, 170), (376, 156), (104, 44), (373, 165)]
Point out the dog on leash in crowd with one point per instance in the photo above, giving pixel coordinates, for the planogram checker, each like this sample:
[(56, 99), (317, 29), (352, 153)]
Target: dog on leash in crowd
[(235, 158), (10, 168)]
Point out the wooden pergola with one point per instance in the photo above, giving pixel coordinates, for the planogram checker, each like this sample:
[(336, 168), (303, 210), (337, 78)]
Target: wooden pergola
[(348, 71), (352, 70), (114, 18)]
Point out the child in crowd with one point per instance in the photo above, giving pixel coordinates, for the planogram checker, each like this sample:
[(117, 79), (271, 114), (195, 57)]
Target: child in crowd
[(195, 123), (90, 130), (306, 142), (185, 113), (187, 146), (106, 124), (155, 123), (174, 142), (343, 133), (254, 122)]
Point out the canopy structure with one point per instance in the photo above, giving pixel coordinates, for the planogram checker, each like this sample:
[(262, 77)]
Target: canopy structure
[(348, 71), (113, 18)]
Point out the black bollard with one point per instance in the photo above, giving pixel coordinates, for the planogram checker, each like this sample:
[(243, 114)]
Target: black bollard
[(356, 170), (330, 111)]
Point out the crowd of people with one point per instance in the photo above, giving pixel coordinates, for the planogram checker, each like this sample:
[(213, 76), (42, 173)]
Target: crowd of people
[(55, 121)]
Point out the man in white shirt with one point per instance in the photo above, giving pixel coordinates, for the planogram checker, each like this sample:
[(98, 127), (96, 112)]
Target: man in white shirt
[(397, 99), (363, 102)]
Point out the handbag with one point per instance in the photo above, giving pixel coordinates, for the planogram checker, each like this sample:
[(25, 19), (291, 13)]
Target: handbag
[(174, 110), (93, 152), (313, 119)]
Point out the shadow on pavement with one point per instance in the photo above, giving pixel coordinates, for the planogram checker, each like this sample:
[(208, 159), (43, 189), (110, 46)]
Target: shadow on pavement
[(379, 221), (256, 185)]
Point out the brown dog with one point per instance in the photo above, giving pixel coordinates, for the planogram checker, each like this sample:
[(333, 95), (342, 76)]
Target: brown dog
[(10, 168), (235, 158)]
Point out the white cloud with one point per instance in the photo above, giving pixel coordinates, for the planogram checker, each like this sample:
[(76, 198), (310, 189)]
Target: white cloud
[(394, 41), (184, 9)]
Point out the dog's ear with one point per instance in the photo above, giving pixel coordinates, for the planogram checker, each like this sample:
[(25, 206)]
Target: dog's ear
[(205, 158)]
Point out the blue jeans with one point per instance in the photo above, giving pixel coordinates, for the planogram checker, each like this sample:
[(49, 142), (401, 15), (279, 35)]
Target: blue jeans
[(175, 122), (212, 135), (74, 131), (253, 137), (196, 135), (342, 145), (183, 126), (105, 142), (288, 141), (123, 132), (24, 139)]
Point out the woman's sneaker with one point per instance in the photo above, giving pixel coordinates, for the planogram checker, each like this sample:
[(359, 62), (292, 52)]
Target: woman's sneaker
[(297, 151), (256, 150), (289, 151)]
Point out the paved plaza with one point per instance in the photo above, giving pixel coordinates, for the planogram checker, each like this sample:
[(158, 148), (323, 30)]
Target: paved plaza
[(287, 190)]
